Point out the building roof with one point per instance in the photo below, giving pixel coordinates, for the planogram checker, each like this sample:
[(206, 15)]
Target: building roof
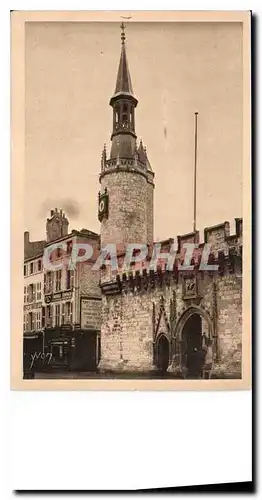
[(83, 233)]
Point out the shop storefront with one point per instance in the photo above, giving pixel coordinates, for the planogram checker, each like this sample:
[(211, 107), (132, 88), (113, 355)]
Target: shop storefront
[(33, 344), (72, 349)]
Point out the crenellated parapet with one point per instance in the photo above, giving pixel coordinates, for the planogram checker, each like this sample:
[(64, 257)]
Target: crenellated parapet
[(218, 236), (138, 162), (225, 252)]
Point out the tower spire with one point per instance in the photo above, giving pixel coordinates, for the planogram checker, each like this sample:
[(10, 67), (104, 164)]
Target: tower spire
[(123, 103), (123, 81)]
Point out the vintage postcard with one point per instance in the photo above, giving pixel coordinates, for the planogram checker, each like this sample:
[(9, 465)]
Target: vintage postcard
[(131, 200)]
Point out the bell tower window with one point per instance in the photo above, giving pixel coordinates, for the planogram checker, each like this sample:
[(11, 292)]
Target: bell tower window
[(132, 118), (117, 115), (125, 114)]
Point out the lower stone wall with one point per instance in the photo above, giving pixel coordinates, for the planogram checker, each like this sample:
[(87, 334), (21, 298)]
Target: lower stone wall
[(126, 333), (229, 326), (132, 322)]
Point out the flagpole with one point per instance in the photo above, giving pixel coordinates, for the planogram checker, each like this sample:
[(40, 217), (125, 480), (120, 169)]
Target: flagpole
[(195, 172)]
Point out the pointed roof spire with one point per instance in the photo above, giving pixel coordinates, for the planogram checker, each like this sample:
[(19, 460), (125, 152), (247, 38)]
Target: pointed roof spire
[(123, 81)]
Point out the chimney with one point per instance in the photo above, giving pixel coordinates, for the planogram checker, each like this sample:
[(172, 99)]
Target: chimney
[(26, 244), (56, 225)]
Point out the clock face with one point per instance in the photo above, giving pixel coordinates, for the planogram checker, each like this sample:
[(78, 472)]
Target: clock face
[(103, 206)]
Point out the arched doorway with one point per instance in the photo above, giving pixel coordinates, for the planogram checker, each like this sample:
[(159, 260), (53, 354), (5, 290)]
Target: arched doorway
[(192, 344), (162, 353), (193, 329)]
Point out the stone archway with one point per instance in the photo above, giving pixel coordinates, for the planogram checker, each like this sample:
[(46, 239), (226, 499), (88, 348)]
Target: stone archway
[(193, 326), (162, 352)]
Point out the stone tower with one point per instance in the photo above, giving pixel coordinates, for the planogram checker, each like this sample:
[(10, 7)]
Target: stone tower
[(127, 180)]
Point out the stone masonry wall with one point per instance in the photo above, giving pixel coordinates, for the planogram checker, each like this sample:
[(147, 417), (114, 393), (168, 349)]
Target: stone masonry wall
[(128, 328), (150, 213), (137, 307), (127, 221), (88, 279), (229, 324), (126, 332), (87, 286)]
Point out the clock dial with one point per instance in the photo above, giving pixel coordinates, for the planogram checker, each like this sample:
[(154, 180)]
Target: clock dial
[(101, 206)]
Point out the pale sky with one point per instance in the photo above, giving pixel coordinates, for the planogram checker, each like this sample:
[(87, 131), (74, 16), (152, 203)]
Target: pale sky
[(176, 69)]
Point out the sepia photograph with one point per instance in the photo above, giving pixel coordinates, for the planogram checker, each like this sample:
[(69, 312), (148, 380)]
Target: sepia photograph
[(133, 205)]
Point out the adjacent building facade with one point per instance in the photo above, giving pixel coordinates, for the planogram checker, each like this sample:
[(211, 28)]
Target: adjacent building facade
[(62, 299)]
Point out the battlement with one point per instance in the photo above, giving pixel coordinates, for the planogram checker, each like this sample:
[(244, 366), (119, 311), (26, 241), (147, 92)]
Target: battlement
[(138, 161), (113, 163), (225, 253), (139, 279), (217, 236)]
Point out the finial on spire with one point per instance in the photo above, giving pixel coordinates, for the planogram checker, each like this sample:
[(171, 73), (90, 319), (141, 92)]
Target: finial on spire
[(123, 35)]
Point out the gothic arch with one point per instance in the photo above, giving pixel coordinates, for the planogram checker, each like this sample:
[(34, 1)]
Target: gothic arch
[(186, 315), (179, 337), (162, 352)]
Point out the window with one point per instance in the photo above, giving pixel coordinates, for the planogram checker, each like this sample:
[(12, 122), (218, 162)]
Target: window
[(31, 267), (58, 277), (63, 314), (49, 316), (25, 294), (31, 293), (43, 317), (25, 319), (57, 315), (30, 321), (59, 252), (38, 291), (69, 279), (39, 265), (49, 284), (25, 270), (38, 320), (125, 113), (27, 322), (33, 320), (68, 313), (69, 246)]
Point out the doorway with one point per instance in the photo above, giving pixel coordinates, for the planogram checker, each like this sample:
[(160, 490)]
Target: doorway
[(163, 353), (192, 345), (60, 353)]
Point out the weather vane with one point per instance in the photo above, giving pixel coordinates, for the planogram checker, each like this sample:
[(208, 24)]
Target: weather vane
[(123, 36)]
